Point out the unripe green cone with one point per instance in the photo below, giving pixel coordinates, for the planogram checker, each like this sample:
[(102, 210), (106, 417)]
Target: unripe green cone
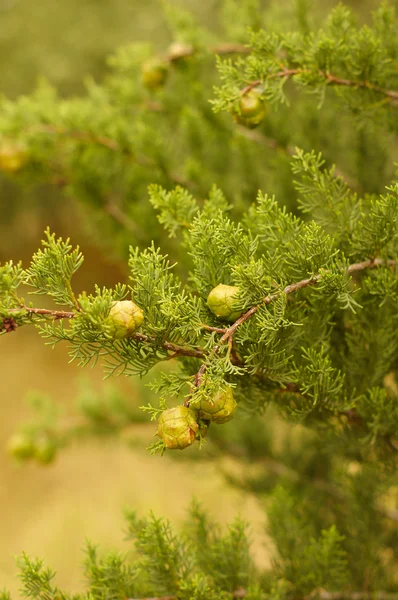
[(177, 427), (13, 157), (124, 319), (45, 450), (221, 300), (154, 73), (218, 409), (252, 109), (20, 446)]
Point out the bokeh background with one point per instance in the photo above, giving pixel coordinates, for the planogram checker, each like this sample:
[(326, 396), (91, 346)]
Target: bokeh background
[(50, 511)]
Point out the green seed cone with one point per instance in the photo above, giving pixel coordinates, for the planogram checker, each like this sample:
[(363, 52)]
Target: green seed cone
[(252, 109), (13, 157), (20, 447), (219, 409), (221, 300), (124, 319), (177, 427), (45, 450), (154, 73)]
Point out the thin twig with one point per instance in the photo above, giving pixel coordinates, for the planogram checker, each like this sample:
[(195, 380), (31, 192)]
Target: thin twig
[(227, 333), (61, 314), (332, 80), (178, 350), (185, 50), (81, 135), (214, 329), (294, 287), (55, 314)]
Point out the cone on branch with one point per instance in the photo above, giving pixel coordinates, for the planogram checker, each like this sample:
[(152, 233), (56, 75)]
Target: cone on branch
[(220, 408), (251, 109), (154, 73), (20, 447), (45, 450), (221, 302), (124, 319), (13, 156), (178, 428)]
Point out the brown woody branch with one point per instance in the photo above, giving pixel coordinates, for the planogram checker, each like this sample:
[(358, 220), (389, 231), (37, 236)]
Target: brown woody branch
[(290, 289), (61, 314), (45, 312), (179, 51), (178, 350), (227, 333), (332, 80), (295, 287)]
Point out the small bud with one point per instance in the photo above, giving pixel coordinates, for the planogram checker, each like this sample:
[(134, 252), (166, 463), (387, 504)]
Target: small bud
[(154, 73), (252, 109), (20, 446), (13, 157), (45, 450), (125, 317), (177, 427), (218, 409), (221, 300)]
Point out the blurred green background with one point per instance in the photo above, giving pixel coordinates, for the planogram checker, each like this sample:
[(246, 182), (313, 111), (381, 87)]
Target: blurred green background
[(50, 511)]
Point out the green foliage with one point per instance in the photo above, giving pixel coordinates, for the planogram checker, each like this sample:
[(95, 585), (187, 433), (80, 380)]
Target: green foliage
[(314, 261), (307, 563), (225, 558), (134, 137), (52, 269), (357, 61), (109, 577), (271, 257), (37, 580), (158, 562)]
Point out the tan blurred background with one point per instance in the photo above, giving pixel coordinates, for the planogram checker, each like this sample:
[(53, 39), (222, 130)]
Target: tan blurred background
[(50, 511)]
